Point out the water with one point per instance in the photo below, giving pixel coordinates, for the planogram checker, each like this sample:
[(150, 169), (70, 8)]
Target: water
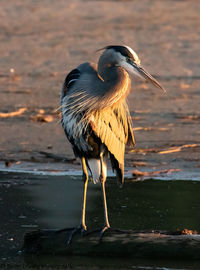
[(83, 263), (28, 202), (105, 263)]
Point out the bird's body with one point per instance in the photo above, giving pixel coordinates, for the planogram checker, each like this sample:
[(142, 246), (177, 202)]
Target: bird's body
[(97, 123), (95, 115)]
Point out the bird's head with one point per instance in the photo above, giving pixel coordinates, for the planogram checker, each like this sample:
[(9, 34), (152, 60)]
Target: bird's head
[(127, 58)]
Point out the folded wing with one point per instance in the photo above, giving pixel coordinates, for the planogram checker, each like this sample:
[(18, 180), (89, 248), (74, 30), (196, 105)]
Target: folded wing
[(113, 126)]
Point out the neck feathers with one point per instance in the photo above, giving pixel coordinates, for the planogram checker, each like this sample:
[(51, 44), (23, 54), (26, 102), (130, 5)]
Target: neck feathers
[(116, 85)]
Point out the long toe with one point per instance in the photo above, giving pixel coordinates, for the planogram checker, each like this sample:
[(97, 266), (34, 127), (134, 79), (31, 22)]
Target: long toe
[(83, 231), (80, 229), (102, 232)]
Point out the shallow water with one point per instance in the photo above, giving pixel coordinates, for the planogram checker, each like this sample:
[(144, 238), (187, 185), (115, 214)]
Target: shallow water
[(104, 263), (28, 202)]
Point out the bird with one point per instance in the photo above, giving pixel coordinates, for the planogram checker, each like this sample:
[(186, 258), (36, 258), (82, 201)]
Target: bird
[(96, 117)]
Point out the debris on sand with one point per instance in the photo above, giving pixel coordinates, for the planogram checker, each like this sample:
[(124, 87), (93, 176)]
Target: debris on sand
[(42, 118), (12, 114), (186, 232), (137, 173), (178, 149), (57, 157)]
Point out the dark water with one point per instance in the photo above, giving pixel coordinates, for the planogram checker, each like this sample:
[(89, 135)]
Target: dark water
[(104, 263), (29, 202)]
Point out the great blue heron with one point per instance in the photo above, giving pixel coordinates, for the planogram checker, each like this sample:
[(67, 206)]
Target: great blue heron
[(96, 118)]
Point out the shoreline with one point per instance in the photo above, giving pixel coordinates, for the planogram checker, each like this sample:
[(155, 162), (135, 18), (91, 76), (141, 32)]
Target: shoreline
[(61, 169)]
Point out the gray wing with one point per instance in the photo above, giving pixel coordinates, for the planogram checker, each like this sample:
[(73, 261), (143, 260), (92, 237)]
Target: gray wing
[(78, 79), (70, 79), (86, 91), (113, 126), (72, 110), (76, 94)]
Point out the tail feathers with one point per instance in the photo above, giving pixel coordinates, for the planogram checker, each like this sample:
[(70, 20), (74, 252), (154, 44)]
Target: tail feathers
[(94, 166), (119, 169)]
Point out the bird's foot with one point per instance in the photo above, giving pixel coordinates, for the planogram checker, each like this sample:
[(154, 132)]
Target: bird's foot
[(102, 232), (82, 229)]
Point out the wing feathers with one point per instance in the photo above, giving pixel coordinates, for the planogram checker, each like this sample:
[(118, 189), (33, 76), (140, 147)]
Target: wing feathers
[(114, 129), (71, 78)]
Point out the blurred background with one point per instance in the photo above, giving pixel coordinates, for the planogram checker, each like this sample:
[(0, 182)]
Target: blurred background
[(41, 41)]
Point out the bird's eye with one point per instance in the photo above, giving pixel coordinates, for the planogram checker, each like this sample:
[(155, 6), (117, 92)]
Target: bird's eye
[(128, 59)]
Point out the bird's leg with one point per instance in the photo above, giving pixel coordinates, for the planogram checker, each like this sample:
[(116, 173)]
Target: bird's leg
[(85, 179), (107, 225), (103, 180), (82, 228)]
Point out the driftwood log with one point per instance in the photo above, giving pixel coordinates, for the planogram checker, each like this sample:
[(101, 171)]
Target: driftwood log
[(134, 244)]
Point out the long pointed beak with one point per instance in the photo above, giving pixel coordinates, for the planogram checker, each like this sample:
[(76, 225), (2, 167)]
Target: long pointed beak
[(141, 72)]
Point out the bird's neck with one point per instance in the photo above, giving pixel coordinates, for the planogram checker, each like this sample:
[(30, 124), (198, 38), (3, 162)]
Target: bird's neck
[(110, 72), (116, 83)]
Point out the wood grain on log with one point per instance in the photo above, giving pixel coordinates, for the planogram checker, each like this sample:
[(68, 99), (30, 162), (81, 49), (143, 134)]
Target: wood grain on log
[(135, 244)]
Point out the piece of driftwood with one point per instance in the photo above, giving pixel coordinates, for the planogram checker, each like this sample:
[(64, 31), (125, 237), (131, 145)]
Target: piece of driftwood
[(135, 244), (57, 157)]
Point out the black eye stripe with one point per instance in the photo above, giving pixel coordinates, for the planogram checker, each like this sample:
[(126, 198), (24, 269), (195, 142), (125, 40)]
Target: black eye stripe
[(123, 50)]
